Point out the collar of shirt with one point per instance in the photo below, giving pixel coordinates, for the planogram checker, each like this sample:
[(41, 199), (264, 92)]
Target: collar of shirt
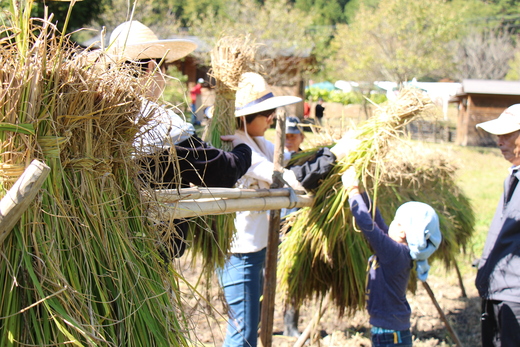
[(514, 169)]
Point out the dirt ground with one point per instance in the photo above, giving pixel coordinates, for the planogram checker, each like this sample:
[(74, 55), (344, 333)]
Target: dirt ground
[(208, 324)]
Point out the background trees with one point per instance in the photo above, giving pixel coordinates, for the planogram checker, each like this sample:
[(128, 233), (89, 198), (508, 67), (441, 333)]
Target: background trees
[(350, 39)]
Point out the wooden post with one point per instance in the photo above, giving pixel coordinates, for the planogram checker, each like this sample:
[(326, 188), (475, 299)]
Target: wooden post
[(461, 283), (269, 293), (20, 196), (313, 323), (452, 332)]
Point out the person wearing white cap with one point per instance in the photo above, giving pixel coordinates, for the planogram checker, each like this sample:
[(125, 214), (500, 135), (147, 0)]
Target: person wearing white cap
[(413, 235), (293, 135), (498, 275), (167, 135), (241, 277)]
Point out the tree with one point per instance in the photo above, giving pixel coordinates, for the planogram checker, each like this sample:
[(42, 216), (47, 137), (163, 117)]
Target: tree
[(82, 13), (397, 41), (280, 29), (485, 55)]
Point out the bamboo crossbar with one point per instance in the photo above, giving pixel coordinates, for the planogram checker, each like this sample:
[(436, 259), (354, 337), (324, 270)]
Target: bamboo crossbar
[(202, 207), (18, 199), (175, 195)]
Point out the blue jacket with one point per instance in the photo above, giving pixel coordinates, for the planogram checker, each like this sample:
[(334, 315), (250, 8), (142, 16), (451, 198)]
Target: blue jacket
[(388, 272)]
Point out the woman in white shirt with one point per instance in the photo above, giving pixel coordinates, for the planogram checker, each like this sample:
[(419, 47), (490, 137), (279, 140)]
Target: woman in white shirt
[(241, 277)]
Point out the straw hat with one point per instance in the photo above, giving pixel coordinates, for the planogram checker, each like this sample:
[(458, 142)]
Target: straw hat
[(508, 122), (254, 95), (133, 40)]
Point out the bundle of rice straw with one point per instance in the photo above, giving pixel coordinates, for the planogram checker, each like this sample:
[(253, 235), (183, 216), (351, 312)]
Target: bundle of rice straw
[(230, 58), (81, 267), (323, 253)]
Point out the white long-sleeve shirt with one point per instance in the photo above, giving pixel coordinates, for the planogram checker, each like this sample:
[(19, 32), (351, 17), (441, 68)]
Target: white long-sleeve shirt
[(253, 226)]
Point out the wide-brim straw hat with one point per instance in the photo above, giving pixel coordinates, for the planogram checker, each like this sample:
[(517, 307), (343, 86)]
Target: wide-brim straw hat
[(254, 95), (508, 122), (133, 40)]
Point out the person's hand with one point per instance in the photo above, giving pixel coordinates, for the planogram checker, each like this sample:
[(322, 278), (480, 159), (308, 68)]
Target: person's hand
[(345, 145), (350, 180), (232, 138)]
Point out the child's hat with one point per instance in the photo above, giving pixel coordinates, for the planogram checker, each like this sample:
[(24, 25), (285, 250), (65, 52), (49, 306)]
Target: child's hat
[(423, 234)]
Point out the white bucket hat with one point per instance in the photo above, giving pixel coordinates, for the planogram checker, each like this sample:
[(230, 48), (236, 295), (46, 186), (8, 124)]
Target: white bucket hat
[(508, 122), (133, 40), (254, 95)]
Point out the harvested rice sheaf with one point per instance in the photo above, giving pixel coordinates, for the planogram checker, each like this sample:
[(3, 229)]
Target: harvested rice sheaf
[(211, 236), (324, 253), (81, 267)]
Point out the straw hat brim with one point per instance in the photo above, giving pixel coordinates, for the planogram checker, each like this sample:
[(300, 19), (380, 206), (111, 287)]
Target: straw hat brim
[(170, 50), (269, 104)]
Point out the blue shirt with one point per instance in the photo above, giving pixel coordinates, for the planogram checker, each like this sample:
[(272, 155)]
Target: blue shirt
[(388, 270)]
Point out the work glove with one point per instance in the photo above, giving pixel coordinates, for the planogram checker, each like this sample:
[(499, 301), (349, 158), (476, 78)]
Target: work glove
[(345, 145), (350, 179)]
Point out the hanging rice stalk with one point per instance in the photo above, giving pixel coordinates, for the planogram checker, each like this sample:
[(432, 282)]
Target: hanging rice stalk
[(81, 267), (212, 235), (323, 253)]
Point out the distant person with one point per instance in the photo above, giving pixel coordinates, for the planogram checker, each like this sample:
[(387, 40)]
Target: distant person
[(293, 139), (498, 276), (413, 235), (293, 135), (195, 91), (306, 110), (318, 111)]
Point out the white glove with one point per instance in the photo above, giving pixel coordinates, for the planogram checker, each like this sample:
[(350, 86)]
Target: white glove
[(345, 145), (350, 179)]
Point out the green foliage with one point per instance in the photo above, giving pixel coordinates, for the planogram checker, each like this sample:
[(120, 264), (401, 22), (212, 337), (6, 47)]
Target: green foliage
[(175, 92), (82, 13), (514, 72), (341, 97), (397, 41)]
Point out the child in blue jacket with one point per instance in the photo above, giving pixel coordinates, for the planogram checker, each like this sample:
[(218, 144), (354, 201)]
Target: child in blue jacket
[(413, 235)]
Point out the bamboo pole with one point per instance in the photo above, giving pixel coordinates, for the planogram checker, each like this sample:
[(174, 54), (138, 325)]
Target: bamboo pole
[(19, 197), (186, 209), (452, 332), (175, 195), (269, 293)]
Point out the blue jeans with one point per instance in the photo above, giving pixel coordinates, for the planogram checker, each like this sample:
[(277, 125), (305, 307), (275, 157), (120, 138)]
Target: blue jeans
[(389, 338), (242, 278)]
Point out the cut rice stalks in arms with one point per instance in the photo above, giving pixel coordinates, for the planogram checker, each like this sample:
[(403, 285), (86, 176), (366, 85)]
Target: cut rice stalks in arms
[(323, 252)]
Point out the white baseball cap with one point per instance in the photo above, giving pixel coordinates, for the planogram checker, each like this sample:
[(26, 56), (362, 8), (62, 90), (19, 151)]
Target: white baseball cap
[(508, 122)]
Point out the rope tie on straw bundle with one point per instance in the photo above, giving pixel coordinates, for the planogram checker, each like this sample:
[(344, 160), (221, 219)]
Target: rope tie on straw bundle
[(51, 145), (91, 164), (10, 172)]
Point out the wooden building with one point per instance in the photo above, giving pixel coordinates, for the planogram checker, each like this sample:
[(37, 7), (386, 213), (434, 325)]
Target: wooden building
[(479, 101)]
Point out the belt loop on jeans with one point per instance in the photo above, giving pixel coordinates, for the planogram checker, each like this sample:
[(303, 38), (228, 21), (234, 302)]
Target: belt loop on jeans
[(397, 337), (396, 333)]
